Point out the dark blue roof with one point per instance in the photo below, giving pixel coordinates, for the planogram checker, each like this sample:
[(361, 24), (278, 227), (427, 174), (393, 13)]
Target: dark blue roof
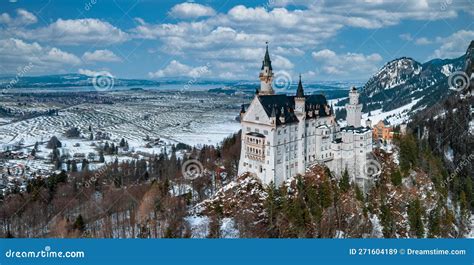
[(275, 103)]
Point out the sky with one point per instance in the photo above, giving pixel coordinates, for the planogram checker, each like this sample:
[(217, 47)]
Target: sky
[(336, 40)]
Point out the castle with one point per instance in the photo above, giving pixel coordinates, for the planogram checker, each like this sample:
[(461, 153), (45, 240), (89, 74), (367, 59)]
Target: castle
[(283, 135)]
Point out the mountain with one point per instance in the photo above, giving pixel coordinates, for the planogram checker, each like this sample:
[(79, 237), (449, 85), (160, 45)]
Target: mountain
[(405, 85), (404, 80), (66, 80)]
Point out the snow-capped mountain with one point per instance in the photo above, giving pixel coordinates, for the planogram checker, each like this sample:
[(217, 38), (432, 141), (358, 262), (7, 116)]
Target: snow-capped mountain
[(393, 74), (404, 80)]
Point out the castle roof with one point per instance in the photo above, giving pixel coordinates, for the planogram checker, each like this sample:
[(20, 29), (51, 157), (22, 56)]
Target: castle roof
[(273, 105)]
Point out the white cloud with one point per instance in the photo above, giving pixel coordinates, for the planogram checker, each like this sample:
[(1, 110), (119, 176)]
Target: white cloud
[(100, 56), (191, 10), (177, 69), (406, 37), (23, 17), (454, 45), (15, 53), (77, 31), (93, 73), (423, 41), (347, 65)]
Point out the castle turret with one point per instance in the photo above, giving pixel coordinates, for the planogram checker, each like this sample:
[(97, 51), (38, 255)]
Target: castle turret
[(266, 76), (282, 115), (354, 109), (242, 111), (273, 116), (300, 98), (368, 123)]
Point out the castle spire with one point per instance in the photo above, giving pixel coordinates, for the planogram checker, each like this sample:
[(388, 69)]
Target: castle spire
[(300, 90), (266, 60), (266, 75)]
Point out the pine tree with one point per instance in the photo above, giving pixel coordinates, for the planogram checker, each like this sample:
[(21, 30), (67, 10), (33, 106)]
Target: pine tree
[(396, 178), (73, 166), (101, 157), (344, 183), (325, 193), (464, 212), (79, 223), (271, 208), (359, 193), (387, 221), (408, 153), (415, 215), (434, 223)]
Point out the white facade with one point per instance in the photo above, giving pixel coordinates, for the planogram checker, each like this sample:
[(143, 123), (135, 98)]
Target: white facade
[(283, 135)]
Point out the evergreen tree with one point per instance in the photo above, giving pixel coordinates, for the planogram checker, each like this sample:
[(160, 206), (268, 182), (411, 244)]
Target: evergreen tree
[(387, 221), (101, 157), (271, 208), (73, 166), (396, 178), (434, 223), (344, 183), (79, 223), (415, 215), (84, 165), (359, 193), (408, 153), (325, 193)]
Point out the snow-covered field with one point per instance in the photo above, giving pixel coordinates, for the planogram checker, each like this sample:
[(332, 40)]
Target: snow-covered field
[(179, 117), (150, 122)]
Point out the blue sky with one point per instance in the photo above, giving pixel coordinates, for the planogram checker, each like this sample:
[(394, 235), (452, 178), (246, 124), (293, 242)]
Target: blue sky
[(211, 39)]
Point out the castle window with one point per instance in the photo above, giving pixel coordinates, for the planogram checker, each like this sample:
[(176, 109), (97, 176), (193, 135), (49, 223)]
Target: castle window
[(257, 130), (257, 118), (279, 132), (249, 129), (265, 132)]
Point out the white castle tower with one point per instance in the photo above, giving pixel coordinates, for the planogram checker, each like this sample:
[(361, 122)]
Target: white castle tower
[(266, 75), (354, 109)]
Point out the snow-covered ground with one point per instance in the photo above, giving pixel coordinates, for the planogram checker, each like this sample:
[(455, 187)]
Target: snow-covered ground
[(395, 117)]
